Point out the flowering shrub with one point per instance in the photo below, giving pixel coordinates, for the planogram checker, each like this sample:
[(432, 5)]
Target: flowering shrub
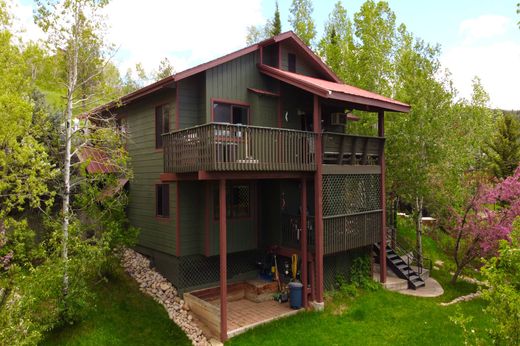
[(487, 218)]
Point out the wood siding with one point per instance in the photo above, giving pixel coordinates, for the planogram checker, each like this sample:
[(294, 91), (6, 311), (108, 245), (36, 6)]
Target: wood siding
[(302, 65), (192, 110), (192, 217), (230, 81), (147, 165)]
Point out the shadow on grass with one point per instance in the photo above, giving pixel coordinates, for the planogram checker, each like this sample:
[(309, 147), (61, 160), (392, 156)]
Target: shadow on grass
[(122, 316)]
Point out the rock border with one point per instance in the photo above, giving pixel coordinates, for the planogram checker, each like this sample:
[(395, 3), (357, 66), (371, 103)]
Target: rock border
[(465, 298), (163, 292)]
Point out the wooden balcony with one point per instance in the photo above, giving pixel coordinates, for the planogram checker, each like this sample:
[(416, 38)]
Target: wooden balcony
[(343, 149), (228, 147)]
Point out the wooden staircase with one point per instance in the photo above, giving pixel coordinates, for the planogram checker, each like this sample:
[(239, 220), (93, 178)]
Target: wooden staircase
[(401, 267)]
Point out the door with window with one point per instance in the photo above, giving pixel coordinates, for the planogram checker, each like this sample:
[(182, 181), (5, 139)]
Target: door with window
[(230, 139)]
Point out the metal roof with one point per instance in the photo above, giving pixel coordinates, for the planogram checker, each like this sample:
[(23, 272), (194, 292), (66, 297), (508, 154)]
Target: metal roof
[(335, 91), (171, 80), (97, 160)]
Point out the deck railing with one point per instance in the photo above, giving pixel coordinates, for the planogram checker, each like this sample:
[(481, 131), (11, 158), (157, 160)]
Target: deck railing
[(228, 147), (345, 232), (346, 149)]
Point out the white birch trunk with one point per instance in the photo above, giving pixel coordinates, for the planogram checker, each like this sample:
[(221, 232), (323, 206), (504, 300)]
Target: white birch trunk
[(71, 86)]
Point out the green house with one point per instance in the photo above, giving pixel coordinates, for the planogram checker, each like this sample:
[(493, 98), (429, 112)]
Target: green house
[(248, 154)]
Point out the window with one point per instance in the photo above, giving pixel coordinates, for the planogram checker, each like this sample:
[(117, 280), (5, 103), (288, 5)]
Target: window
[(162, 200), (291, 62), (238, 199), (230, 113), (162, 124)]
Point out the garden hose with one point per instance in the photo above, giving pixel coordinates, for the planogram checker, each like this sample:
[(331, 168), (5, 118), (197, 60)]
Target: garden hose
[(294, 266)]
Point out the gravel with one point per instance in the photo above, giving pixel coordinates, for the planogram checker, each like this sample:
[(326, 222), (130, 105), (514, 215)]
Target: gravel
[(163, 292)]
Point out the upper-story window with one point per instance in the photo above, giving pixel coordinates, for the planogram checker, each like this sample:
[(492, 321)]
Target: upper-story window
[(230, 113), (162, 123), (291, 62)]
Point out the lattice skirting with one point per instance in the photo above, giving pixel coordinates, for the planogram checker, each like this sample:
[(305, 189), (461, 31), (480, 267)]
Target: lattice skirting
[(340, 264), (197, 271)]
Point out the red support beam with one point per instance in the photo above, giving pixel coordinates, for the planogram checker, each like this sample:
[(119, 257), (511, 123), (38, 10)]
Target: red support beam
[(303, 239), (382, 253), (318, 200), (223, 260)]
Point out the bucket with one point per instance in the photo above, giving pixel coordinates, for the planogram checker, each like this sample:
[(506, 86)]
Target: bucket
[(295, 295)]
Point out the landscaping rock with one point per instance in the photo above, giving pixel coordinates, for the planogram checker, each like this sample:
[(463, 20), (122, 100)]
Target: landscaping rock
[(163, 292), (463, 298)]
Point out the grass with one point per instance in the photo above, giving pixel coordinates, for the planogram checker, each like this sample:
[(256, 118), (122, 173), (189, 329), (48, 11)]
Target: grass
[(381, 317), (373, 318), (122, 316)]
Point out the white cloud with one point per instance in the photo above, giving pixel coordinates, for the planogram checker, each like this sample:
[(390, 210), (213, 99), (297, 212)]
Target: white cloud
[(23, 23), (482, 27), (187, 32), (487, 51)]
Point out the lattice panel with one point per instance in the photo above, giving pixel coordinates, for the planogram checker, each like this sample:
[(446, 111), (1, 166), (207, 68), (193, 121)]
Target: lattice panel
[(200, 270), (348, 232), (339, 265), (351, 193)]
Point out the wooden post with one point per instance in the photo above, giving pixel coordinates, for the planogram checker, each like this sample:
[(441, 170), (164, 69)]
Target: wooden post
[(318, 201), (303, 239), (223, 260), (382, 248)]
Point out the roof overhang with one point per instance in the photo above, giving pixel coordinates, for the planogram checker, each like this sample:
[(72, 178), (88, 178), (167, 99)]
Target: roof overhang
[(361, 99)]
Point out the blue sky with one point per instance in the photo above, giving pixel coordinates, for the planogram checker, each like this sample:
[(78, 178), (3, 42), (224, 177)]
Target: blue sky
[(478, 37)]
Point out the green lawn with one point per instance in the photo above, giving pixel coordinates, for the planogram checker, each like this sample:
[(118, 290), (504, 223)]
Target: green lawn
[(123, 316), (380, 317)]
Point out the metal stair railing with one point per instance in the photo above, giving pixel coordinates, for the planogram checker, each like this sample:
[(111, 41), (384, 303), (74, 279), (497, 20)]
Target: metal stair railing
[(402, 248)]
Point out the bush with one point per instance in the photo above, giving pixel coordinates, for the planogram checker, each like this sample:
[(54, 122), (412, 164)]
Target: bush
[(503, 275)]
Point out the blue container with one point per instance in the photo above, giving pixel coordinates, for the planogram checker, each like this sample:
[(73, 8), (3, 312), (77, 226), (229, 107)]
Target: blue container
[(295, 295)]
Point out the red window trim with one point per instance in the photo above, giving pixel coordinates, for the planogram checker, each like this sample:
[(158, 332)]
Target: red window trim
[(157, 216), (232, 103)]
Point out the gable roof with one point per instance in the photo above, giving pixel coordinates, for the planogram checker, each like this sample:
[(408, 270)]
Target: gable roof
[(335, 90), (168, 81)]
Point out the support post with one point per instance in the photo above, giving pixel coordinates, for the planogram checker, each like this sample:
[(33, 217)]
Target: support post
[(318, 200), (223, 259), (382, 248), (303, 239)]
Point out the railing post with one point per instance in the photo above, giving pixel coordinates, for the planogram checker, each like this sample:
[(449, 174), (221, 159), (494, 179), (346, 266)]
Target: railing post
[(382, 254), (303, 239), (223, 259), (318, 201)]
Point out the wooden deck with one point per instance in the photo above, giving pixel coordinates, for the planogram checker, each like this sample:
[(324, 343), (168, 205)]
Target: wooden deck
[(228, 147)]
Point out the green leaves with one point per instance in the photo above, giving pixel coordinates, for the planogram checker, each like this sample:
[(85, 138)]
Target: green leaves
[(301, 21), (503, 294)]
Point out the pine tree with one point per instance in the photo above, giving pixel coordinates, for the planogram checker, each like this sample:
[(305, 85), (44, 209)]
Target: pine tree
[(337, 42), (503, 151), (276, 23)]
